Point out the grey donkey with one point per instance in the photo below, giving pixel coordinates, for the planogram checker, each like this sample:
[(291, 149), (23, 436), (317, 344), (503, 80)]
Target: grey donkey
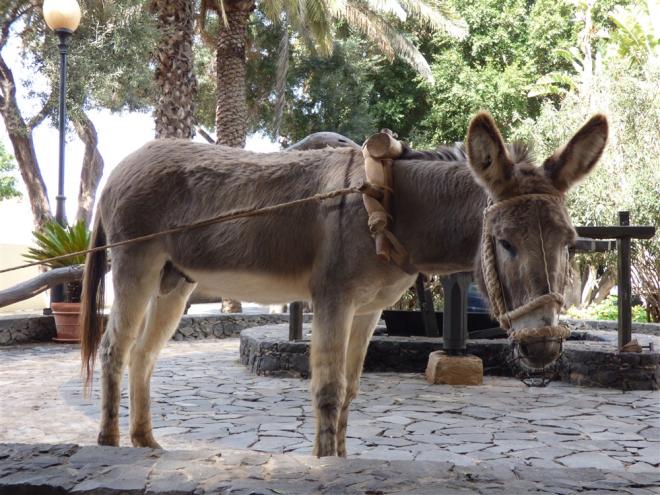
[(319, 252)]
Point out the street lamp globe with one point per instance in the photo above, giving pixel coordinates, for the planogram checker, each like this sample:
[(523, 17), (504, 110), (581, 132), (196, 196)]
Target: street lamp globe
[(62, 14)]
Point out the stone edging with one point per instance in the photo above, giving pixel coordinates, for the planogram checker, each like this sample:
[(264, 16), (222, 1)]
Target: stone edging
[(267, 351), (24, 329), (69, 468), (611, 325)]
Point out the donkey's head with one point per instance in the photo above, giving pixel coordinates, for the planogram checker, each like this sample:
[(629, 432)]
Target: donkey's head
[(527, 232)]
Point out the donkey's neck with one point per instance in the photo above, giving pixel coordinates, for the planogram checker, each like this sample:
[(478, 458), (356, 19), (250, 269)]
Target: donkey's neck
[(438, 211)]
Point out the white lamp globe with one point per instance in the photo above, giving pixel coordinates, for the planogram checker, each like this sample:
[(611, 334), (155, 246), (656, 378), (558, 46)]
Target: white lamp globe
[(62, 14)]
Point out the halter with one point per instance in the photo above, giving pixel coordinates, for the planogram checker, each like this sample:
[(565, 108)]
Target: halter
[(494, 284)]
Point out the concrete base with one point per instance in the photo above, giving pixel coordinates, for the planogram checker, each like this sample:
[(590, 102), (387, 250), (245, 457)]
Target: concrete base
[(454, 370)]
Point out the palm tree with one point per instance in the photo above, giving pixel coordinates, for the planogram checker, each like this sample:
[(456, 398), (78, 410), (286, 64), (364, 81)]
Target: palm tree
[(173, 75), (313, 20)]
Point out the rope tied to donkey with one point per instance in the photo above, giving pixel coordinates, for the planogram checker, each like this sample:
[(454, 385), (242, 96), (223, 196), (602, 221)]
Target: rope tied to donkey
[(365, 189), (494, 284)]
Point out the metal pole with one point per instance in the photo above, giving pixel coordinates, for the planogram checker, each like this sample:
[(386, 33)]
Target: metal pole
[(57, 293), (625, 288), (425, 302), (454, 322), (295, 320)]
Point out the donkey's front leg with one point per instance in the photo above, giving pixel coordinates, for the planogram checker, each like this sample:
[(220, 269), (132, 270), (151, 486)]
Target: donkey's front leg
[(329, 338), (361, 331)]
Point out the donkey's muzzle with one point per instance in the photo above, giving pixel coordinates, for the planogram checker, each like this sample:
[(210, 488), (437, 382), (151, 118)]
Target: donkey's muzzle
[(538, 347)]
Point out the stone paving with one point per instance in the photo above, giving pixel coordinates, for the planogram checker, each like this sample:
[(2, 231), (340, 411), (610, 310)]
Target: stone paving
[(56, 469), (204, 399)]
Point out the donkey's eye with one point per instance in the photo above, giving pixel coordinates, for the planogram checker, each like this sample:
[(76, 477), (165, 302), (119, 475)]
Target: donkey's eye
[(507, 245)]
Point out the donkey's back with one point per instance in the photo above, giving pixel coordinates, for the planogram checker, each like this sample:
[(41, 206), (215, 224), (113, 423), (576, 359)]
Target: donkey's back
[(169, 183)]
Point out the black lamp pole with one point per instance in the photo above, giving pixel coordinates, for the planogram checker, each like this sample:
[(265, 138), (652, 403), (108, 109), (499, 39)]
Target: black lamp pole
[(57, 294)]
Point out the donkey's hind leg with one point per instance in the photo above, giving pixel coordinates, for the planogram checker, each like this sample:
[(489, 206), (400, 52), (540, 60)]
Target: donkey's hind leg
[(162, 318), (328, 385), (135, 280), (361, 332)]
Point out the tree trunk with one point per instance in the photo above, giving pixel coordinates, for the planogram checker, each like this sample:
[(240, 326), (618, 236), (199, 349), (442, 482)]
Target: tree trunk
[(174, 75), (573, 292), (92, 168), (20, 135), (604, 286), (231, 111)]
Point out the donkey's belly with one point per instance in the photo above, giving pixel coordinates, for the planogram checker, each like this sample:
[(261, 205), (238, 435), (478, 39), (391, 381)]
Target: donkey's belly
[(253, 287)]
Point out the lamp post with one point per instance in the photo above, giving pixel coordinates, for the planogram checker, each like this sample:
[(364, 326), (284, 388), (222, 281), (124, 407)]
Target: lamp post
[(63, 17)]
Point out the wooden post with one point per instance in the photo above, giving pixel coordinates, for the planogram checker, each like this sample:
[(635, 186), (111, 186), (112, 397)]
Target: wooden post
[(425, 302), (295, 320), (625, 289)]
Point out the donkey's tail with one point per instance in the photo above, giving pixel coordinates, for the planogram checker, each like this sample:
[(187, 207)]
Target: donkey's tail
[(91, 315)]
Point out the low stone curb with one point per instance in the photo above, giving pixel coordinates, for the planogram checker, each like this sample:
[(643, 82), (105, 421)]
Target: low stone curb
[(25, 329), (267, 351), (69, 468)]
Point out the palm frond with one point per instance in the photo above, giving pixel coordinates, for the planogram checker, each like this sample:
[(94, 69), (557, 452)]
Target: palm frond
[(54, 240), (390, 41), (392, 7), (437, 15), (369, 25)]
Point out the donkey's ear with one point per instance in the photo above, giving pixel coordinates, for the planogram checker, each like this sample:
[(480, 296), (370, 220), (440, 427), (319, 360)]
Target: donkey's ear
[(488, 158), (575, 160)]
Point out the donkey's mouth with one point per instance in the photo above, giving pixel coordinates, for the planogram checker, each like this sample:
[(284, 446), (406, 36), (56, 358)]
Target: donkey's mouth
[(539, 347)]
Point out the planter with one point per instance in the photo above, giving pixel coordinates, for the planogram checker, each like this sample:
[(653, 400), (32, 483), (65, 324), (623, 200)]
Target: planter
[(410, 323), (67, 321)]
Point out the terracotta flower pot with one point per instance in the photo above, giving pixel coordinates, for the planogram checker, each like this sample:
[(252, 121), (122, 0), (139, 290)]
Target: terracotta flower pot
[(67, 321)]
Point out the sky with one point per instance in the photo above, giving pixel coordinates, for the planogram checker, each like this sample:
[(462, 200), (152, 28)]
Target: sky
[(119, 135)]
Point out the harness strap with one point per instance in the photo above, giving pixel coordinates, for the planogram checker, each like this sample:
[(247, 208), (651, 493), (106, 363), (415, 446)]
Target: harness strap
[(379, 151)]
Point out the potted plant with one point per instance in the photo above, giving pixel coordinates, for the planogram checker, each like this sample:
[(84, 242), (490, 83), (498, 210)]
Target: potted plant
[(54, 240)]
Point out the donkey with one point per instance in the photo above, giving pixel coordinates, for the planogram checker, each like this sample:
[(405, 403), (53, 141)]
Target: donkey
[(321, 252)]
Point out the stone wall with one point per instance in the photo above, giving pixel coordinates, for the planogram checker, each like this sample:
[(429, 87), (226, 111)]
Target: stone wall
[(611, 326), (593, 362), (23, 329)]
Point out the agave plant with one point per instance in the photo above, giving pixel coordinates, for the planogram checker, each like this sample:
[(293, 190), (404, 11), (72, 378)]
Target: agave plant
[(53, 240)]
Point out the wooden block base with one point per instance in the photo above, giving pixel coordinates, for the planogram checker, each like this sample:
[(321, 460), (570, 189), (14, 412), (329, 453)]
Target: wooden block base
[(454, 370)]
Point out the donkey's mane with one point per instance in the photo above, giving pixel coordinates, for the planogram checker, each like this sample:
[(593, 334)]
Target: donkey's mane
[(518, 152)]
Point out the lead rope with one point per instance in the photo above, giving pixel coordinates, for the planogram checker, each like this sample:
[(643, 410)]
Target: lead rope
[(365, 188)]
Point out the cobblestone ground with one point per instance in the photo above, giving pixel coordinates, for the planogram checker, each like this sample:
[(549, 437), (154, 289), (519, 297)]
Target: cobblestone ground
[(204, 399)]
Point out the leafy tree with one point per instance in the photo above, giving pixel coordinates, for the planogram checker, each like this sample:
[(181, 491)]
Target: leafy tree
[(509, 45), (627, 177), (7, 179), (107, 69), (313, 21)]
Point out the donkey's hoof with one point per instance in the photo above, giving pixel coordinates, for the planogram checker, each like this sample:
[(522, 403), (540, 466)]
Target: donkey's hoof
[(144, 440), (111, 440), (325, 449)]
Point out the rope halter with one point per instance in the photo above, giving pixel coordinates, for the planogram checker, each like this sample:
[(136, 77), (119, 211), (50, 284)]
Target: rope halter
[(494, 286)]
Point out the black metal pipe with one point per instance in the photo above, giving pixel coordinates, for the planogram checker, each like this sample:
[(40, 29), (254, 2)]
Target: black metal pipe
[(454, 322), (57, 293), (295, 321)]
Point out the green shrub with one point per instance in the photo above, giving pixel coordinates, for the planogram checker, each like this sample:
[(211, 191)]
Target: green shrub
[(606, 310)]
